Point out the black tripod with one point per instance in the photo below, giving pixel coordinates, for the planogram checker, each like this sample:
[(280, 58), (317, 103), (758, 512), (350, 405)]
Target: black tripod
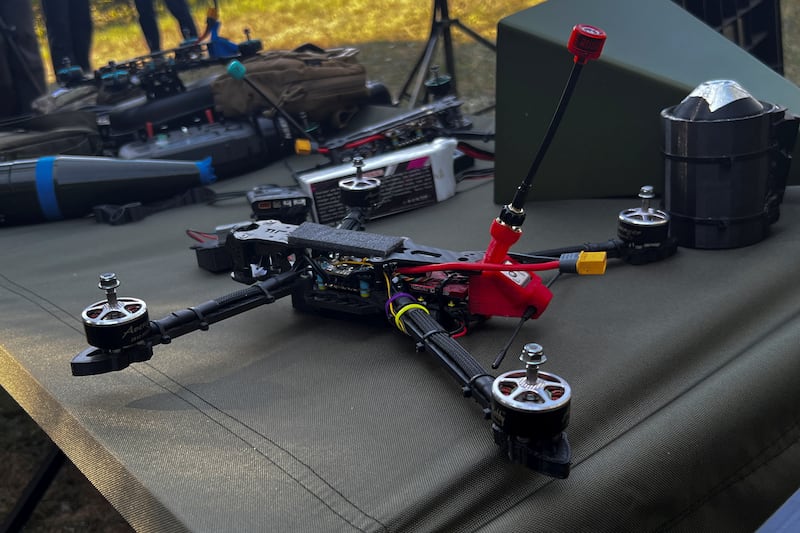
[(440, 28)]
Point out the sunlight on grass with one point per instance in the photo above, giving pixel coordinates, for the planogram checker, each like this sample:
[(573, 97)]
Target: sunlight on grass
[(285, 24)]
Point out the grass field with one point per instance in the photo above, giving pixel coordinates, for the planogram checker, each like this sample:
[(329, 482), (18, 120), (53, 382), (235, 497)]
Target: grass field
[(286, 23), (389, 35)]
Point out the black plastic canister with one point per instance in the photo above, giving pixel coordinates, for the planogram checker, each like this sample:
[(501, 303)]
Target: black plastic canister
[(59, 187), (726, 158)]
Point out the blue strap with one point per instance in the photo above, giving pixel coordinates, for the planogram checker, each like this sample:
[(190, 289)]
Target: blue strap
[(46, 188), (207, 175)]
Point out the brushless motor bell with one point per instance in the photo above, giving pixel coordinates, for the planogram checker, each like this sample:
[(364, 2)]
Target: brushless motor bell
[(116, 322), (645, 224), (727, 156), (530, 403), (645, 231), (359, 190)]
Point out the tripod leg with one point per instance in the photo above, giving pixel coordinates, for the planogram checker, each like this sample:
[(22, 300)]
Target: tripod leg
[(423, 63), (439, 28), (422, 70), (449, 56), (33, 493), (476, 36)]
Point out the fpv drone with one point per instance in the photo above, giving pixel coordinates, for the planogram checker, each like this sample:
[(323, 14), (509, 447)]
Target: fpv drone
[(431, 294)]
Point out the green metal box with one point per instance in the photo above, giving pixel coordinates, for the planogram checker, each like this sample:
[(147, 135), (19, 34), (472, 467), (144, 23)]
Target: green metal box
[(609, 142)]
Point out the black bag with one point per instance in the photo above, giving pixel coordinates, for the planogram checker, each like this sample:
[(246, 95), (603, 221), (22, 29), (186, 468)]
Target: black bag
[(326, 85), (64, 133)]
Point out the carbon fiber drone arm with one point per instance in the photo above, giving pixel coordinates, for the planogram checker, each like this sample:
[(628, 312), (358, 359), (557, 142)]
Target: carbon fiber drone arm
[(120, 333), (531, 432)]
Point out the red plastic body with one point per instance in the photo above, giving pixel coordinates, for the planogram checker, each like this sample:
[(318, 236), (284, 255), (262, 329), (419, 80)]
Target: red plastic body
[(586, 42), (509, 293), (503, 238)]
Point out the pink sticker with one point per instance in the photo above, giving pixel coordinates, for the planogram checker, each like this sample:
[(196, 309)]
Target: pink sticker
[(418, 163)]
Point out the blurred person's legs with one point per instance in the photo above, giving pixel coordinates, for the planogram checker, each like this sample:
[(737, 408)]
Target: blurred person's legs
[(147, 20), (69, 32), (22, 78), (149, 23), (180, 10)]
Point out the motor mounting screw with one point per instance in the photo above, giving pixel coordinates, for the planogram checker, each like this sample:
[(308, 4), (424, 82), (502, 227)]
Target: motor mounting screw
[(646, 193), (533, 356), (109, 283)]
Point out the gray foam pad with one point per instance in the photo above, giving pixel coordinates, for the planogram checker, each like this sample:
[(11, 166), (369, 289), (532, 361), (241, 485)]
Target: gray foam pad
[(321, 237)]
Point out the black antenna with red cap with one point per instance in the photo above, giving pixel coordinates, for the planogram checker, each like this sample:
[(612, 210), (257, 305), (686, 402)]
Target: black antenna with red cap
[(586, 43)]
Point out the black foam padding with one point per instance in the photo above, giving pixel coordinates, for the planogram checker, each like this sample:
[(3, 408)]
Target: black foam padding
[(360, 243)]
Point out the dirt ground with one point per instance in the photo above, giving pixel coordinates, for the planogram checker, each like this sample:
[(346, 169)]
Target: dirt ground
[(72, 503)]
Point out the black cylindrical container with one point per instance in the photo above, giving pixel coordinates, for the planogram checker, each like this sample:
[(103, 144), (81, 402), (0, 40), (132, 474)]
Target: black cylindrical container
[(726, 160), (53, 188)]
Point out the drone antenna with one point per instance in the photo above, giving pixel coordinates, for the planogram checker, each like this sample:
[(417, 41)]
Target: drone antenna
[(529, 312), (585, 42)]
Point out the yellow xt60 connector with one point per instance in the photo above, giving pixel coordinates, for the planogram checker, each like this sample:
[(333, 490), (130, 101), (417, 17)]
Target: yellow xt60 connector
[(303, 147), (591, 263)]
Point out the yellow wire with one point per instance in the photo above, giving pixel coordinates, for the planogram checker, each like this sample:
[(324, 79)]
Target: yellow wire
[(389, 292), (350, 262), (397, 315), (402, 311)]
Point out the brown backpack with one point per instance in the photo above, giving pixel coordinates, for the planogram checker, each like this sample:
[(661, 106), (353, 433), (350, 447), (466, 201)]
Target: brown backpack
[(326, 85)]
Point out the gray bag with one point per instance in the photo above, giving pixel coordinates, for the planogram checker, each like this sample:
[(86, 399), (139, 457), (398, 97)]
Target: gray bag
[(64, 133)]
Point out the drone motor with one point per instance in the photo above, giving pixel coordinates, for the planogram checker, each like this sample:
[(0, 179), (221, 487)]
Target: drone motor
[(645, 231), (116, 329), (532, 406), (115, 322), (519, 396), (643, 224)]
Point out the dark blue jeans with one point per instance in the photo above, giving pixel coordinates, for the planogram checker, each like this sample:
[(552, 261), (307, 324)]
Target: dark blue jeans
[(69, 32), (21, 70), (147, 20)]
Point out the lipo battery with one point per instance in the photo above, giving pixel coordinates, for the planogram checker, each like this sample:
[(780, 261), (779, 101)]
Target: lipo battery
[(410, 178)]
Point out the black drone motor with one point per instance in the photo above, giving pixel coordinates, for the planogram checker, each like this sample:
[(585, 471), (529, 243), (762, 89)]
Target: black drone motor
[(116, 326), (529, 406), (644, 232), (359, 194)]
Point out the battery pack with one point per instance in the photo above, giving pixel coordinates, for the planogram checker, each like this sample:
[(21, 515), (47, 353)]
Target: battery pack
[(410, 178)]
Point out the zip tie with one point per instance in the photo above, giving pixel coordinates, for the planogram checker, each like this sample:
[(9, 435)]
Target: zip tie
[(429, 334)]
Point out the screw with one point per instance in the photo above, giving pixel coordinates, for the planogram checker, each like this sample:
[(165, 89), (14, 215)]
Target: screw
[(646, 194), (109, 283), (533, 356), (358, 162)]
